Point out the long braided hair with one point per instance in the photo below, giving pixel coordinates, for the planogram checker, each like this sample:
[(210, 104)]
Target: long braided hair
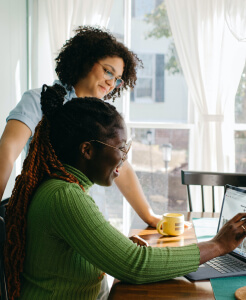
[(55, 142)]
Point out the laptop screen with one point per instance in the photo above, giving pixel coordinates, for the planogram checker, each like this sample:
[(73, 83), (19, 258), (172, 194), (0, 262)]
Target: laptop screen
[(233, 203)]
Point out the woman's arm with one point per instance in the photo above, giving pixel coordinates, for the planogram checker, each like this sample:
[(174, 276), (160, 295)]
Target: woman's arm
[(130, 187), (76, 219), (13, 140)]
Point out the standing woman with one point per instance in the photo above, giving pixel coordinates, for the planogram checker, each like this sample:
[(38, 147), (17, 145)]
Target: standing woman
[(91, 64)]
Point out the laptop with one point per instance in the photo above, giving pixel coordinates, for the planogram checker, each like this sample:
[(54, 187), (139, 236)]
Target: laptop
[(234, 263)]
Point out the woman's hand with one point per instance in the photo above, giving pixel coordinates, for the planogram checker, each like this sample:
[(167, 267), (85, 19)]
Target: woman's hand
[(138, 240), (154, 220), (231, 234), (227, 239)]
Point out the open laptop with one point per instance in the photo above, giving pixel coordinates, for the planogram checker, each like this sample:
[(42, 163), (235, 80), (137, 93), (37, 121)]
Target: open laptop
[(234, 263)]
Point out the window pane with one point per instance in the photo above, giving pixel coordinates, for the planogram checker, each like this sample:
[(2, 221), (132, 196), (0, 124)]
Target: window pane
[(159, 174), (147, 60), (144, 89), (240, 146), (164, 96), (240, 100)]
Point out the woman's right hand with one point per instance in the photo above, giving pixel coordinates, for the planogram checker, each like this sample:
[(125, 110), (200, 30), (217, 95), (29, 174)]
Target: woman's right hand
[(227, 239), (138, 240), (231, 234)]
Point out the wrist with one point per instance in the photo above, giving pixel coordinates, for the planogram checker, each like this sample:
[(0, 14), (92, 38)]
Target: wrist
[(153, 219), (218, 247), (209, 250)]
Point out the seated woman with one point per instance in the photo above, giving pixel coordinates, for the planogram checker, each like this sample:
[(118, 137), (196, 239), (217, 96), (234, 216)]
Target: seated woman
[(58, 243)]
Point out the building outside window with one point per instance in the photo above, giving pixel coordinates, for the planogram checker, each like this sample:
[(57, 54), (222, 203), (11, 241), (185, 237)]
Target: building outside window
[(150, 82)]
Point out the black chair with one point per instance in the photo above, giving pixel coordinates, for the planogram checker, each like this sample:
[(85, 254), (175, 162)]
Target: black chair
[(210, 179), (3, 204), (4, 291)]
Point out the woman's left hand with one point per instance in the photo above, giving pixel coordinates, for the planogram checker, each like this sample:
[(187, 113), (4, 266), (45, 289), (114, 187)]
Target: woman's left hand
[(138, 240), (154, 220)]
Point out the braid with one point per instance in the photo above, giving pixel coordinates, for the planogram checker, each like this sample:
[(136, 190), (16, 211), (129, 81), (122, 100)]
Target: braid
[(52, 99), (41, 161)]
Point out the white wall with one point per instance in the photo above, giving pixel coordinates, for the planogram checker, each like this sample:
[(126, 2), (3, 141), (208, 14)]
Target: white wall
[(13, 61)]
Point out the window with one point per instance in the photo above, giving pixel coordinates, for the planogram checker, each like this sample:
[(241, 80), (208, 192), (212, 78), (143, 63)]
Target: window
[(240, 100), (161, 93), (150, 82), (156, 114), (240, 118), (159, 173), (240, 145)]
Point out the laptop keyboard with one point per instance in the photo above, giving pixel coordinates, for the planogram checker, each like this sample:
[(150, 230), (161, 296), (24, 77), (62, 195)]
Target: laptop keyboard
[(227, 264)]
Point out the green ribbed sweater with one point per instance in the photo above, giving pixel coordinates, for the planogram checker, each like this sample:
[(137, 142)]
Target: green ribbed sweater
[(69, 245)]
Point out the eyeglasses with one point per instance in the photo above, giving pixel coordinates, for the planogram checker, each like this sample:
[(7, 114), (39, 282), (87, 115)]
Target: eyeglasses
[(124, 149), (109, 76)]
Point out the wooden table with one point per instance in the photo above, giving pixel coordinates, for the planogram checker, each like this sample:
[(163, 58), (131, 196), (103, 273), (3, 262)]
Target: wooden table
[(178, 288)]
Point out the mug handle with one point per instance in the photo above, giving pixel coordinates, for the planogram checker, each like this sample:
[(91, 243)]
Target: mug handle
[(159, 225)]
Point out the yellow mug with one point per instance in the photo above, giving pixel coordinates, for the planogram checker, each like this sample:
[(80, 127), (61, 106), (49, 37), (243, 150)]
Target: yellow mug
[(171, 224)]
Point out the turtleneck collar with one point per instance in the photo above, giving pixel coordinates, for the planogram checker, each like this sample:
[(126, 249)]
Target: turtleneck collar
[(83, 180)]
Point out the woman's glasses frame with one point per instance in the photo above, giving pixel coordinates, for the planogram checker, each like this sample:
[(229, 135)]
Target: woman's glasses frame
[(124, 149), (118, 82)]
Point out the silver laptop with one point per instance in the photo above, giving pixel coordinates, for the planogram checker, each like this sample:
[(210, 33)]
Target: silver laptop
[(234, 263)]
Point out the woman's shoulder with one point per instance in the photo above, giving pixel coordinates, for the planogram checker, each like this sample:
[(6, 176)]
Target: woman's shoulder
[(58, 191), (32, 92), (54, 185), (28, 109), (59, 196)]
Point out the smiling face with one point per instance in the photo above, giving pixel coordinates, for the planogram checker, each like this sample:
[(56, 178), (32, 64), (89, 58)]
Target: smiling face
[(103, 163), (94, 84)]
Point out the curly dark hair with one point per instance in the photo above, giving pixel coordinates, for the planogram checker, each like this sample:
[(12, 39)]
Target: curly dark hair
[(88, 46)]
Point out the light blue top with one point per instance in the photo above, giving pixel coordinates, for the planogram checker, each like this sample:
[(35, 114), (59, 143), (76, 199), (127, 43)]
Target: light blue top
[(28, 110)]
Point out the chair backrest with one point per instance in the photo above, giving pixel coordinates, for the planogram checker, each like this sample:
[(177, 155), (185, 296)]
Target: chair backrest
[(210, 179), (3, 203), (4, 290)]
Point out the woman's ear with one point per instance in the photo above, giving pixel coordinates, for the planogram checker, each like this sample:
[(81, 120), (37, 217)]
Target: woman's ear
[(86, 150)]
